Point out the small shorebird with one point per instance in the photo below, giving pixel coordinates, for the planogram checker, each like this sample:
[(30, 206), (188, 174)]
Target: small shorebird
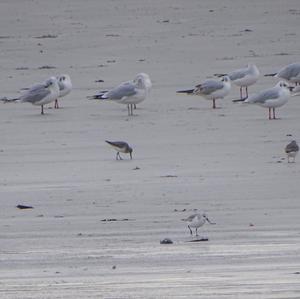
[(196, 221), (65, 87), (292, 150), (244, 77), (290, 73), (128, 93), (271, 98), (40, 94), (211, 89), (120, 146)]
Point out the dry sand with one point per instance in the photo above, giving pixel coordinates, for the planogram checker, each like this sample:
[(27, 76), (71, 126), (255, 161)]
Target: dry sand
[(228, 162)]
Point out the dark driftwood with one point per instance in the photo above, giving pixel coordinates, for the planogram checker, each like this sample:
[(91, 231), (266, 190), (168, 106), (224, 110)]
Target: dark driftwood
[(22, 207)]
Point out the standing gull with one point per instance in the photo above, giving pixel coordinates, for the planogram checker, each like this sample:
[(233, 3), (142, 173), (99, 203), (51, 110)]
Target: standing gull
[(196, 221), (128, 93), (244, 77), (271, 98), (292, 150), (211, 89), (40, 94), (65, 87), (289, 73), (120, 146)]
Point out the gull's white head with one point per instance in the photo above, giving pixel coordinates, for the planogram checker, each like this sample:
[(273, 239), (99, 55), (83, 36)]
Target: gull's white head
[(283, 84), (225, 79), (65, 84), (253, 68), (52, 81), (64, 79), (52, 85), (145, 79)]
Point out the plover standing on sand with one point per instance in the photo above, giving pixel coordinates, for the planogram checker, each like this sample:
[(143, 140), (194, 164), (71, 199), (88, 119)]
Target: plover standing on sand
[(292, 150), (196, 221)]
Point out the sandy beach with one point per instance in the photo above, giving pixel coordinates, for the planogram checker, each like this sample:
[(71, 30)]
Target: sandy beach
[(96, 223)]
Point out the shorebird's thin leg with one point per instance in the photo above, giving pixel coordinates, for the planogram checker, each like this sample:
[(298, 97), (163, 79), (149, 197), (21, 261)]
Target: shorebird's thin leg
[(246, 92), (134, 106), (56, 104), (288, 159), (241, 92), (197, 231), (214, 103), (270, 113), (42, 109), (274, 117), (190, 230), (128, 107)]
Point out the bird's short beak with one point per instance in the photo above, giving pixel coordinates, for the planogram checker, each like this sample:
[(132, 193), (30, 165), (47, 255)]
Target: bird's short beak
[(209, 221)]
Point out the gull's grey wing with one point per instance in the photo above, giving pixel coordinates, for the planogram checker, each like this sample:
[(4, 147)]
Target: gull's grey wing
[(124, 90), (290, 71), (209, 86), (238, 74), (264, 96), (35, 94), (35, 87)]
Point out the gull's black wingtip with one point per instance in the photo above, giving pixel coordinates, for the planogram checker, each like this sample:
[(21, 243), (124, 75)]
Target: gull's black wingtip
[(7, 100), (270, 75), (220, 75), (96, 97), (187, 91)]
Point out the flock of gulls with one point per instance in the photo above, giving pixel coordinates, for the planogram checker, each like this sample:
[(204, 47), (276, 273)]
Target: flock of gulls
[(270, 98), (135, 91), (45, 93)]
